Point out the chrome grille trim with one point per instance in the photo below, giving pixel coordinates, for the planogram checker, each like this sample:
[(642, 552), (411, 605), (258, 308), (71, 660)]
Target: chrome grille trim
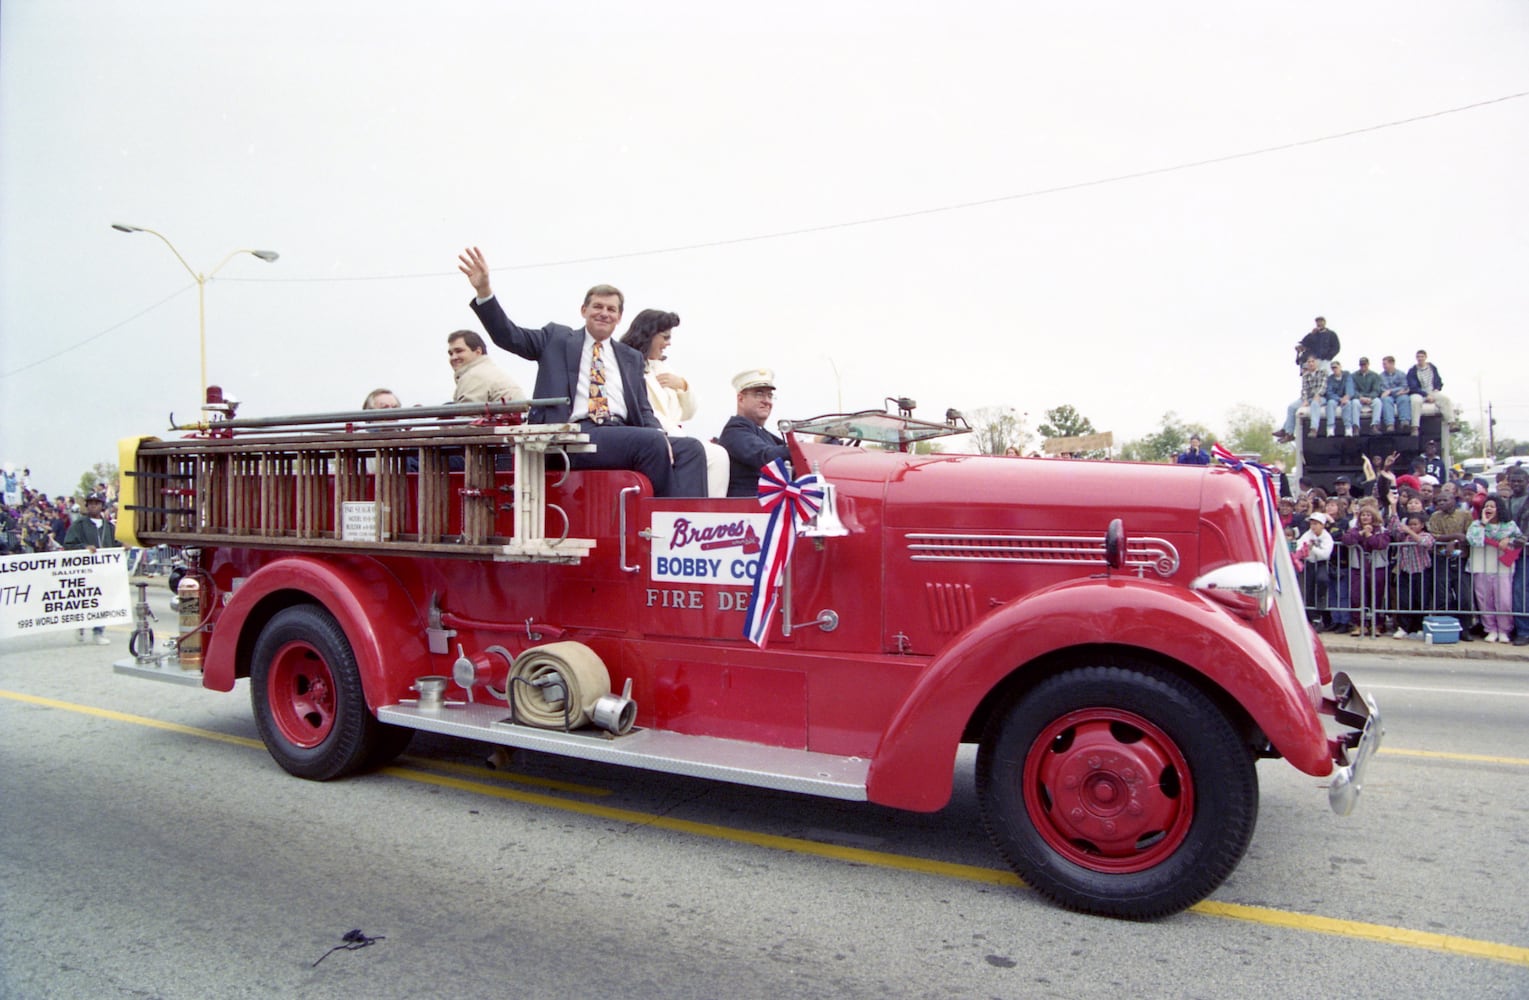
[(1143, 553)]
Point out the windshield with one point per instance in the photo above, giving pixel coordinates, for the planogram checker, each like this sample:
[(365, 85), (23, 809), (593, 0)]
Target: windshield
[(875, 426)]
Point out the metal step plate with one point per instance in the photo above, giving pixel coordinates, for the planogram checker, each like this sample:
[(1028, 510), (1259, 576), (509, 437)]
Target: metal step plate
[(165, 668), (711, 757)]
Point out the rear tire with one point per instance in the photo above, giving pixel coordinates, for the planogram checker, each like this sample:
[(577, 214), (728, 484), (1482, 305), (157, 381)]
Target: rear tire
[(1118, 789), (308, 700)]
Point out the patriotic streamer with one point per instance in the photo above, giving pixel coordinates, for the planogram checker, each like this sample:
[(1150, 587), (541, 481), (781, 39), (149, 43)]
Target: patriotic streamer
[(791, 503), (1262, 478)]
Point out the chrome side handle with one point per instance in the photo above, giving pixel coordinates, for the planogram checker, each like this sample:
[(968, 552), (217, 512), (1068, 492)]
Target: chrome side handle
[(621, 528)]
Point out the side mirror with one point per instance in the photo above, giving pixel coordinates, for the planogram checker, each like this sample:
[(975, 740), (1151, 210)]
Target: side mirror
[(1115, 544)]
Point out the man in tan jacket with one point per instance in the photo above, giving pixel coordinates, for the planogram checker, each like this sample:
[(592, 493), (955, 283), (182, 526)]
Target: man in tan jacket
[(479, 380)]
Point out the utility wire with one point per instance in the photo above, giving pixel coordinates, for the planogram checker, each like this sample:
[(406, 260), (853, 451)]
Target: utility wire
[(831, 226), (97, 336), (934, 210)]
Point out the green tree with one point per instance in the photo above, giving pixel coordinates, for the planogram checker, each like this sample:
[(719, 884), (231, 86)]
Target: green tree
[(1464, 443), (995, 429), (101, 472), (1167, 442), (1064, 421), (1250, 431)]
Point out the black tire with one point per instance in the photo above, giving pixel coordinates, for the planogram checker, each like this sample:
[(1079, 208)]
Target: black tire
[(309, 704), (390, 742), (1118, 789)]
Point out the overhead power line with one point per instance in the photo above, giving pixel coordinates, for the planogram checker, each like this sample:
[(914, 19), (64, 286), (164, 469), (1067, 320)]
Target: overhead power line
[(937, 209), (97, 336), (845, 224)]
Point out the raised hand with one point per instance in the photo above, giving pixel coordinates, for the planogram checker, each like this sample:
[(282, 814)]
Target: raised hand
[(472, 264)]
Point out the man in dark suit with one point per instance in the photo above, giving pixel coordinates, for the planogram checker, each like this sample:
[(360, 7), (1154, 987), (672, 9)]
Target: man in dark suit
[(602, 379), (744, 437)]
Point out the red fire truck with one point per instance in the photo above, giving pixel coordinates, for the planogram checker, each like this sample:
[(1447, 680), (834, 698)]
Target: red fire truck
[(1119, 640)]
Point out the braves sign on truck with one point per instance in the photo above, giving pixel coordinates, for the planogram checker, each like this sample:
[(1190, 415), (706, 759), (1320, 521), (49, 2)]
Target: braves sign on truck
[(1122, 642)]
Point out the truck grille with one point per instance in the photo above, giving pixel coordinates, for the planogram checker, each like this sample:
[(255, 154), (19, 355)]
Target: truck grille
[(1142, 554)]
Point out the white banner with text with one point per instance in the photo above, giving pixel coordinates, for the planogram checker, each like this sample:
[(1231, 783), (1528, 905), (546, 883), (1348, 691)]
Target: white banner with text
[(53, 591)]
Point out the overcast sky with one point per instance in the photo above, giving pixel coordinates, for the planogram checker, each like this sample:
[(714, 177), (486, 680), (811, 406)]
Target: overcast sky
[(594, 142)]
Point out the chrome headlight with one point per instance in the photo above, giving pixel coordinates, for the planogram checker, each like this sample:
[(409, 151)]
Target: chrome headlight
[(1247, 587)]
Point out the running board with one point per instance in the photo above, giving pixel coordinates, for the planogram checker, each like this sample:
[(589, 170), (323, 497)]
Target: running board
[(741, 763), (160, 668)]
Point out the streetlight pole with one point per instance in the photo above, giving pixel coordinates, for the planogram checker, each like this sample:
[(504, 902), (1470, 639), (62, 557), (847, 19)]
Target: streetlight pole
[(201, 286)]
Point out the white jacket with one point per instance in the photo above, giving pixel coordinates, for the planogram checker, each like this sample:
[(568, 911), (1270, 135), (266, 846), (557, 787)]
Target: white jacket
[(1319, 548), (672, 407)]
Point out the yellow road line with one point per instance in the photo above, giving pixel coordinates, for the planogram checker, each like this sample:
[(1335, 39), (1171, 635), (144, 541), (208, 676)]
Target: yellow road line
[(452, 767), (1447, 943), (241, 741), (856, 855), (138, 720), (1269, 917), (1468, 758)]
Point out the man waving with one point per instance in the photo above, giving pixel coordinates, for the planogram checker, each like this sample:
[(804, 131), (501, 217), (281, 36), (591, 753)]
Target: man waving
[(602, 378)]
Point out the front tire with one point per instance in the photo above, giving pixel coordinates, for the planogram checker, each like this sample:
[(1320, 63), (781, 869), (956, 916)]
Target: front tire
[(308, 700), (1118, 789)]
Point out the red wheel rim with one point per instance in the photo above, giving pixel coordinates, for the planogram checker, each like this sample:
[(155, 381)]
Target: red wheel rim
[(300, 691), (1109, 790)]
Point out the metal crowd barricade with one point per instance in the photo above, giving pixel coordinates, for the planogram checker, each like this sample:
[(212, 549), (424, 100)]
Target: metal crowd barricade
[(1351, 589)]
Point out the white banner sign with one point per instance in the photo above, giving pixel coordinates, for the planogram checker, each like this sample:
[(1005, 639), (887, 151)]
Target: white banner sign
[(53, 591), (706, 547)]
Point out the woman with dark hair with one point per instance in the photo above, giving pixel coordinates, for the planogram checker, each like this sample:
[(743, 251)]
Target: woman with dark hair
[(651, 333), (1491, 540)]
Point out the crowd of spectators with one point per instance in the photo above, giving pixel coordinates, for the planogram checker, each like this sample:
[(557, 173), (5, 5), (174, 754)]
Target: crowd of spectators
[(1391, 399), (32, 521), (1378, 557)]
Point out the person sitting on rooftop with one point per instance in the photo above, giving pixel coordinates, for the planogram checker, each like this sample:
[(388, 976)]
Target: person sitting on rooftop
[(1338, 395), (1313, 381), (1367, 390)]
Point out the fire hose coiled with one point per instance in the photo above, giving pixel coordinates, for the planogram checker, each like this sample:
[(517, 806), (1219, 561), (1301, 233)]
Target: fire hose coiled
[(556, 686)]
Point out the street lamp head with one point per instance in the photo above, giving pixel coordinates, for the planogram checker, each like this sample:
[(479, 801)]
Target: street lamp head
[(123, 227), (269, 256)]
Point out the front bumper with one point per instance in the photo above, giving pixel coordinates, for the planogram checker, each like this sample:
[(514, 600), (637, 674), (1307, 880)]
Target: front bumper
[(1352, 750)]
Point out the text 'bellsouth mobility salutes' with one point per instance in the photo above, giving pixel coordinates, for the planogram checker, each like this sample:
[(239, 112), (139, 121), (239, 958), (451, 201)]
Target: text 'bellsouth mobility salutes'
[(1122, 642)]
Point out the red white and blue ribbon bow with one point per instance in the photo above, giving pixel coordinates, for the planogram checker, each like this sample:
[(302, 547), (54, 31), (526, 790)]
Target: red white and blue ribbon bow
[(791, 503), (1262, 478)]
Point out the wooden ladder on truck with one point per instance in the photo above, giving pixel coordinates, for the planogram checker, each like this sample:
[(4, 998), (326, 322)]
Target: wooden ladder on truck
[(423, 481)]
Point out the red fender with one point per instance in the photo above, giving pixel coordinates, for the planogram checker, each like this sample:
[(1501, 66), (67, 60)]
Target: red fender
[(913, 766), (384, 627)]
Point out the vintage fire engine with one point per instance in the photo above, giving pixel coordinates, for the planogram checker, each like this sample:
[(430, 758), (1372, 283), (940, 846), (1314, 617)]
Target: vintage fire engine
[(1120, 641)]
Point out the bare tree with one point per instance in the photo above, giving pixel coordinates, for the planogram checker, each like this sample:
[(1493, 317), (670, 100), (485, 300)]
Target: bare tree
[(995, 429)]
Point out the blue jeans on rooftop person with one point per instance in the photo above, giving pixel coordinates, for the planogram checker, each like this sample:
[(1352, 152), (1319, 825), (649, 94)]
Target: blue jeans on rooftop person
[(1350, 411), (1290, 412), (1395, 409)]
